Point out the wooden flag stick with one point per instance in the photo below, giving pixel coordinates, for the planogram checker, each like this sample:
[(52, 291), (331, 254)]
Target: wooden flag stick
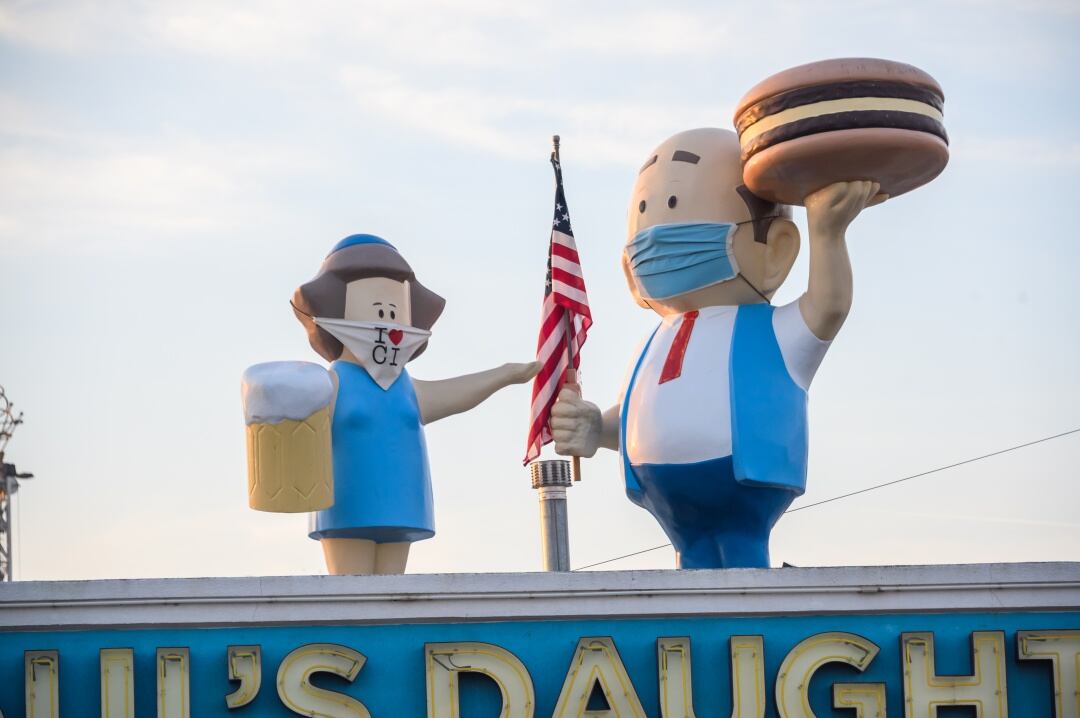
[(571, 373), (572, 382)]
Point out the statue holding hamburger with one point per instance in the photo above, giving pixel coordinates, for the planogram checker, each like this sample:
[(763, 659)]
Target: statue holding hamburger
[(711, 428)]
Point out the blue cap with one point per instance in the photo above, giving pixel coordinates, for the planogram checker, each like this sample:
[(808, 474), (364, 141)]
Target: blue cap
[(354, 239)]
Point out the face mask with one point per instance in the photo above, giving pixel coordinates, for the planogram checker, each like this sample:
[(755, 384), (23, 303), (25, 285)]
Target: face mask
[(382, 348), (667, 260)]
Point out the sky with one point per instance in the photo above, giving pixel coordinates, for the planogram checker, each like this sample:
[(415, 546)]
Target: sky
[(171, 171)]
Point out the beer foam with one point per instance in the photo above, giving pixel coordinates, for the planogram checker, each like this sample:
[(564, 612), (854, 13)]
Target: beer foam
[(274, 391)]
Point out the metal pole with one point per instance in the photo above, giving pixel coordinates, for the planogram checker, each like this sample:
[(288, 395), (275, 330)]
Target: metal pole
[(9, 575), (551, 478), (9, 484), (6, 552)]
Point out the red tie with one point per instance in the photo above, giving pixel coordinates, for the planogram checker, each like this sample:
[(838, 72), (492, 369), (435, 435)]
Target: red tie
[(673, 363)]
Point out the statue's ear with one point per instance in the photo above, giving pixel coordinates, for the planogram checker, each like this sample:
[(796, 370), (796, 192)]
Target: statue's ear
[(781, 249), (632, 284)]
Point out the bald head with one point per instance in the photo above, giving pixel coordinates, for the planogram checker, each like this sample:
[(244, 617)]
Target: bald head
[(695, 178), (691, 177)]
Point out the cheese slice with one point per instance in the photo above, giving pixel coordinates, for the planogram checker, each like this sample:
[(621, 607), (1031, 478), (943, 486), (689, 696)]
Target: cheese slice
[(830, 107)]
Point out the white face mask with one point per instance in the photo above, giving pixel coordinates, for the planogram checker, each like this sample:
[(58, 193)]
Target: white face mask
[(382, 348)]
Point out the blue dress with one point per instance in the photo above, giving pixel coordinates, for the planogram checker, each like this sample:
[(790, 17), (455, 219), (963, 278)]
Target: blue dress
[(382, 483)]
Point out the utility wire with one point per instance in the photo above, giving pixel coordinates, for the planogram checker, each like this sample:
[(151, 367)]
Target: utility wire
[(863, 491)]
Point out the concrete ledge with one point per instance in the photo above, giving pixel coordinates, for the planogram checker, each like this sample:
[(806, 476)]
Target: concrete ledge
[(427, 598)]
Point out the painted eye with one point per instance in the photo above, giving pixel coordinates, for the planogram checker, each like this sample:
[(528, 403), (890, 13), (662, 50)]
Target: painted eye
[(392, 314), (381, 314), (641, 206), (672, 201)]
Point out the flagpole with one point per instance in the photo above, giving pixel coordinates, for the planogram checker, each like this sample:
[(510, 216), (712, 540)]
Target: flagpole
[(571, 372)]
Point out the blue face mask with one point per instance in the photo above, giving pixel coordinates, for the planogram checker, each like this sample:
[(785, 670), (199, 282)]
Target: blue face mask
[(667, 260)]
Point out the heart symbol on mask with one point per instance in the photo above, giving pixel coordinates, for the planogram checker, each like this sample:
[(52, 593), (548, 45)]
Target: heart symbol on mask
[(396, 335)]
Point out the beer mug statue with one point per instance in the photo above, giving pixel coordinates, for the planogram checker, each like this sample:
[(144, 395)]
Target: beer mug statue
[(347, 442), (287, 413)]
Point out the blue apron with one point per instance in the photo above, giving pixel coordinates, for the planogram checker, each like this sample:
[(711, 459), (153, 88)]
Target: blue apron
[(718, 513), (382, 483)]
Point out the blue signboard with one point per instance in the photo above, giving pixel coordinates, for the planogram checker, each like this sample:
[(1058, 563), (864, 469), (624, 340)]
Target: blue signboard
[(400, 662)]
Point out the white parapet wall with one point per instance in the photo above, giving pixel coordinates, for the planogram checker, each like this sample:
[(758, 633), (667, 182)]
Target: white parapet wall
[(282, 600)]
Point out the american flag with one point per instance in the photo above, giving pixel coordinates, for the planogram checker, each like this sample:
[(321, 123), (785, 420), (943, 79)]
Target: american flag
[(565, 304)]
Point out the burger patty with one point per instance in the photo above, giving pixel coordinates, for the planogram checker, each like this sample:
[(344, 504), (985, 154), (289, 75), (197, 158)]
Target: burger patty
[(801, 96), (888, 119)]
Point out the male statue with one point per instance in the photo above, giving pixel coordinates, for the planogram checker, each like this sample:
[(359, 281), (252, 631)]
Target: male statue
[(711, 428)]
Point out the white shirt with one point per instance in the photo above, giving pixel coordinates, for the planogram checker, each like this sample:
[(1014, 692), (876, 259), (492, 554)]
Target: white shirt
[(688, 419)]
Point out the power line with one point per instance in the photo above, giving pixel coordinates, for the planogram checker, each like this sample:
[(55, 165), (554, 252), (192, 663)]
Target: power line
[(863, 491)]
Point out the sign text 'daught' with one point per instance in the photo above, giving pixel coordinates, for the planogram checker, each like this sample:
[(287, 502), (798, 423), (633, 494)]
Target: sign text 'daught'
[(596, 681)]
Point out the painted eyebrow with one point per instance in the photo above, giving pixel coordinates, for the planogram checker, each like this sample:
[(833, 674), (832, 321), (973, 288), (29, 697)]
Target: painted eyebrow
[(376, 304), (392, 305), (684, 156), (649, 163)]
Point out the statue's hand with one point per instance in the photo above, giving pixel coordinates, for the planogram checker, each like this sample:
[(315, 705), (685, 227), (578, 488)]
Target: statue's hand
[(521, 373), (576, 425), (831, 209)]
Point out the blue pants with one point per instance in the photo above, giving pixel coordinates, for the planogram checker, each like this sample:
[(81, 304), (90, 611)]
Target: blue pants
[(713, 521)]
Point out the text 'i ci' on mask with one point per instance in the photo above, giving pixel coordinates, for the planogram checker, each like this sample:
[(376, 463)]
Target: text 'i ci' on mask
[(382, 348)]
